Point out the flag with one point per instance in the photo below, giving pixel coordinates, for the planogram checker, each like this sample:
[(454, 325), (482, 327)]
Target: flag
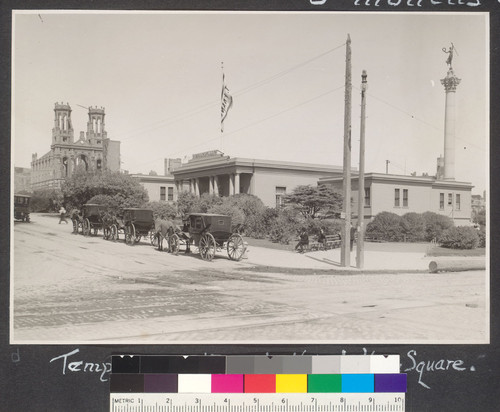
[(226, 103)]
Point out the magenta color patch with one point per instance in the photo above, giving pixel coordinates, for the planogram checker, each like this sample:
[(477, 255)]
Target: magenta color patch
[(231, 383)]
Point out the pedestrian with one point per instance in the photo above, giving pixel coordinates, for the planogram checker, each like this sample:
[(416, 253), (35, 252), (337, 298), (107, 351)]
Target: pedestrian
[(303, 241), (62, 215), (322, 238), (353, 234)]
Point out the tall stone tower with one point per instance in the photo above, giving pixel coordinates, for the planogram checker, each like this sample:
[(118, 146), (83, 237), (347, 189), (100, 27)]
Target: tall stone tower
[(62, 133), (95, 126), (450, 83)]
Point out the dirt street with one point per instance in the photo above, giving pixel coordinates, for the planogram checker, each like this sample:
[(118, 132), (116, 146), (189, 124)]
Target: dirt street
[(68, 288)]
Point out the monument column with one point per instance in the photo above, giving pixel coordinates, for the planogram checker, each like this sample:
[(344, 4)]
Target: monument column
[(450, 83)]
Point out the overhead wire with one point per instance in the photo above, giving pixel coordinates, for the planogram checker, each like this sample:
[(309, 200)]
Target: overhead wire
[(254, 123), (173, 119)]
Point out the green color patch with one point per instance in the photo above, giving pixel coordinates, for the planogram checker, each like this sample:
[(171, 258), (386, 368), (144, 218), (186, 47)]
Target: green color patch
[(326, 383)]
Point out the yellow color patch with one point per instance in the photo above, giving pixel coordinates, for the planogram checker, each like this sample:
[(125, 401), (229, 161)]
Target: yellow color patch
[(291, 383)]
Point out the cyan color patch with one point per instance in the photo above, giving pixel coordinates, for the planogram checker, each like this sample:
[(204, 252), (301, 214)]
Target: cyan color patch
[(358, 383)]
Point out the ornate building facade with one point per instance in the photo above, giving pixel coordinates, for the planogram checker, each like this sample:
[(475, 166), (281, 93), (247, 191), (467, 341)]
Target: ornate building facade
[(92, 151)]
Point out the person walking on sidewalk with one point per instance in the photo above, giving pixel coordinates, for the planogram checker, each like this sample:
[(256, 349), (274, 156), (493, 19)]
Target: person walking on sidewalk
[(303, 242), (62, 215)]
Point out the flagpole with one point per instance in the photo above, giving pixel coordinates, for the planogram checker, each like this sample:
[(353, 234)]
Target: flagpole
[(222, 124)]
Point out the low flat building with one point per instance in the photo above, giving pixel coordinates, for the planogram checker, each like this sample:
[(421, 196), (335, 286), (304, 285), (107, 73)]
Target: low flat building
[(215, 173), (159, 188), (401, 194)]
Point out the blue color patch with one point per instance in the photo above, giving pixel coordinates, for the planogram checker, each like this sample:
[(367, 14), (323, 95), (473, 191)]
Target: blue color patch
[(358, 383)]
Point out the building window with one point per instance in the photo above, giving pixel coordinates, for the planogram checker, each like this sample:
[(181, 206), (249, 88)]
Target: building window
[(163, 192), (457, 202), (396, 198), (367, 197), (405, 197), (170, 193), (441, 201), (280, 193), (450, 199)]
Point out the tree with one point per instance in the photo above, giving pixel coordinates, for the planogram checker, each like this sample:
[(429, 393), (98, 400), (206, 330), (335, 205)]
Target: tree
[(122, 189), (46, 200), (312, 201)]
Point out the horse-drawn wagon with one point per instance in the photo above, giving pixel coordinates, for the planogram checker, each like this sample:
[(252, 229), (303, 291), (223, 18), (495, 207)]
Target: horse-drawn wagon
[(92, 218), (137, 223), (22, 207), (210, 233)]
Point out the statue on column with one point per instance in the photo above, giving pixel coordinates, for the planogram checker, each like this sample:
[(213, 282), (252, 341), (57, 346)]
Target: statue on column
[(450, 51)]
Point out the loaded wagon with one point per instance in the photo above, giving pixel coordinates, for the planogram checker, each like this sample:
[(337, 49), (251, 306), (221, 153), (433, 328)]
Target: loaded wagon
[(210, 233), (92, 218), (137, 223), (22, 207)]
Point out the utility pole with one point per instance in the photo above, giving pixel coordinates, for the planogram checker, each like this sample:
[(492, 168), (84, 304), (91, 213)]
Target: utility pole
[(387, 166), (360, 244), (345, 258)]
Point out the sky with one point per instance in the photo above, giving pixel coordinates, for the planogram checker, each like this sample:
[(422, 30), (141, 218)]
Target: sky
[(159, 77)]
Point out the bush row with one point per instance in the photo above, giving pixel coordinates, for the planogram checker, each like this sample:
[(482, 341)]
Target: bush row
[(411, 227)]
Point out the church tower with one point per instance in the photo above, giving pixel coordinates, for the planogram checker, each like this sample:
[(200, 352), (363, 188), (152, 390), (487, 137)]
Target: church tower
[(62, 133), (96, 132)]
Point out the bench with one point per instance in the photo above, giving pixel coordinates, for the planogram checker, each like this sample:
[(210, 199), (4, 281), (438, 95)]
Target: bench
[(331, 242)]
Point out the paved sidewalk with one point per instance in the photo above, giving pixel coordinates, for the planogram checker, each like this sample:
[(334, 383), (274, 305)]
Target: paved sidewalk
[(330, 259)]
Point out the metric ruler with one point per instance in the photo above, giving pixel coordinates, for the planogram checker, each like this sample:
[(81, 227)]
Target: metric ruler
[(257, 402)]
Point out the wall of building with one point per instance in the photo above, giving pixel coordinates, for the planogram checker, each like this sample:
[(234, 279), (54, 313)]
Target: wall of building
[(265, 182), (462, 216), (422, 197), (153, 185), (113, 156)]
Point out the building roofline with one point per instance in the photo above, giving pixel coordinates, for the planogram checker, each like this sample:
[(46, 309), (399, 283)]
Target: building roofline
[(224, 161), (430, 180)]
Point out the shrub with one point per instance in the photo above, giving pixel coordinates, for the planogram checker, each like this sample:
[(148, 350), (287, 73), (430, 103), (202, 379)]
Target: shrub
[(186, 203), (329, 226), (482, 238), (237, 216), (435, 225), (413, 227), (162, 210), (385, 226), (285, 227), (45, 200), (461, 237), (253, 211)]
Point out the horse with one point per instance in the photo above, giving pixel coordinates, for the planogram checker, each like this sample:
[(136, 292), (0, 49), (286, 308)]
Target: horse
[(163, 230)]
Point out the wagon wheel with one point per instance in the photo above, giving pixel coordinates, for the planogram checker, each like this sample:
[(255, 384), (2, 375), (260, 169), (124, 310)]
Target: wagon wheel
[(86, 227), (207, 247), (106, 232), (75, 225), (235, 247), (130, 234), (153, 238), (114, 232), (173, 243)]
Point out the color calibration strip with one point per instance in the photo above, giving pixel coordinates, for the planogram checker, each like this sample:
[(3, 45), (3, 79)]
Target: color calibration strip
[(257, 383), (257, 374)]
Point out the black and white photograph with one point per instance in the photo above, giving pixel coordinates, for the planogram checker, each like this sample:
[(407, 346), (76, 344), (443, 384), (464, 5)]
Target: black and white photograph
[(249, 177)]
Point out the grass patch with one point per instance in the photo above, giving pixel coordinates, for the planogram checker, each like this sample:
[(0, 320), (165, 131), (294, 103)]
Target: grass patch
[(442, 251), (266, 243)]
